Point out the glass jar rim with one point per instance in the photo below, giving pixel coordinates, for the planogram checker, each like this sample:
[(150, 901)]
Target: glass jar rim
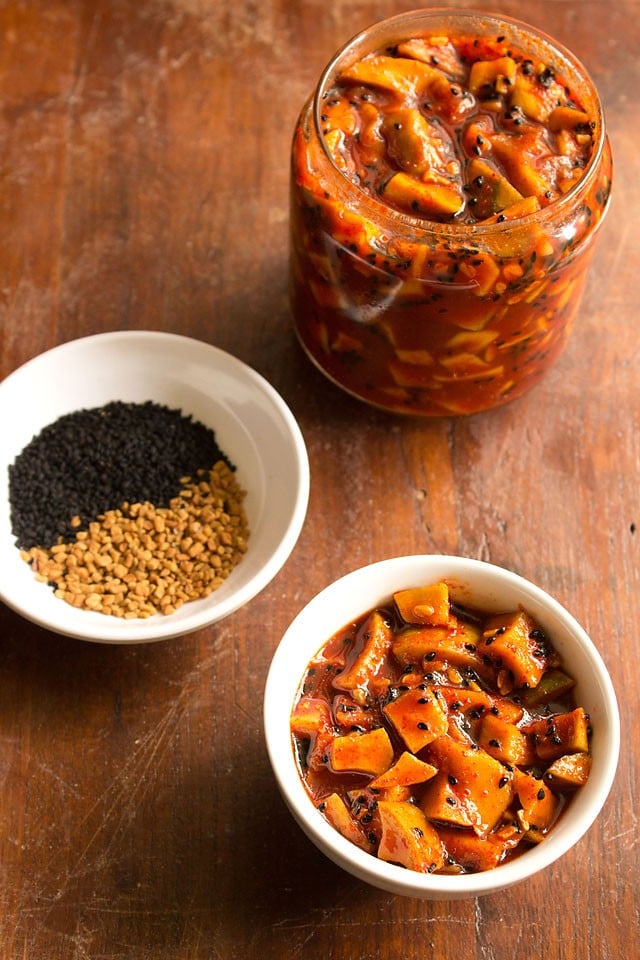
[(364, 42)]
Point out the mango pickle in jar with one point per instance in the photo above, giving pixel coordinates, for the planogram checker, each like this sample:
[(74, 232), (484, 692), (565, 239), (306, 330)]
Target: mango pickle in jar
[(449, 176)]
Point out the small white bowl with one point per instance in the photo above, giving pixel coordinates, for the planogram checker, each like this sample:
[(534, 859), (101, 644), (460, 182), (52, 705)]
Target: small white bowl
[(485, 587), (253, 426)]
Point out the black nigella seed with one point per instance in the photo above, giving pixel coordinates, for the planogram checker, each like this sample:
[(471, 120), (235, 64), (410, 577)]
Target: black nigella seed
[(94, 460), (503, 781), (541, 794)]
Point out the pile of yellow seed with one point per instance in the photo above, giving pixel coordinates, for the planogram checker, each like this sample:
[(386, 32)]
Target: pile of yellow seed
[(139, 559)]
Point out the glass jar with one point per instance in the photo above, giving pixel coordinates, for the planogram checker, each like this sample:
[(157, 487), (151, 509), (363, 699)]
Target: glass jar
[(437, 317)]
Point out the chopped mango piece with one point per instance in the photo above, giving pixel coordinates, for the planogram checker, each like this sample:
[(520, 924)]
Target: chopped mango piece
[(345, 343), (438, 802), (488, 77), (364, 803), (527, 95), (311, 720), (473, 852), (408, 838), (412, 142), (309, 716), (571, 770), (560, 733), (567, 118), (485, 273), (472, 340), (409, 374), (554, 684), (418, 716), (374, 640), (457, 646), (421, 358), (348, 713), (407, 770), (370, 752), (465, 698), (412, 645), (539, 805), (504, 741), (482, 784), (337, 813), (435, 201), (492, 191), (438, 50), (428, 604), (340, 115), (396, 74), (519, 165), (515, 645)]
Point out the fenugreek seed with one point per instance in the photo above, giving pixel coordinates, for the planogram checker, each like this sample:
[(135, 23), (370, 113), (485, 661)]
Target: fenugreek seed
[(120, 567)]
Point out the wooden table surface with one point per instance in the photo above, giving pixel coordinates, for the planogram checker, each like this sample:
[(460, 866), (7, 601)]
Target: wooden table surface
[(144, 185)]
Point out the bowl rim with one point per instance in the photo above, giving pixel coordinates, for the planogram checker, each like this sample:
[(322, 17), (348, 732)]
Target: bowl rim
[(392, 877), (256, 393)]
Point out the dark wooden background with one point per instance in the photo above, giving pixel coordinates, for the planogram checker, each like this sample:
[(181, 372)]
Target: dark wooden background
[(144, 184)]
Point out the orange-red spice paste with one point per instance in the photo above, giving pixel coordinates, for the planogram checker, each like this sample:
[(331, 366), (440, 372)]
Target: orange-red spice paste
[(440, 738), (453, 131)]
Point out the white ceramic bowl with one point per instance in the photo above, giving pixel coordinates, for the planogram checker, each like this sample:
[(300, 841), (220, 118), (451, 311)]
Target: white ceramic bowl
[(252, 424), (486, 587)]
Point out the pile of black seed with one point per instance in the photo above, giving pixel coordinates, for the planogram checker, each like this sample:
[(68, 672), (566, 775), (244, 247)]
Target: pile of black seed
[(91, 461)]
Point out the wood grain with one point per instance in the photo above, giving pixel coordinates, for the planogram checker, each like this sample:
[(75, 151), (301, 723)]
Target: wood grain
[(144, 185)]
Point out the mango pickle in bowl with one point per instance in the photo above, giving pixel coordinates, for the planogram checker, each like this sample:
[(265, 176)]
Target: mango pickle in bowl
[(440, 727), (449, 176)]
